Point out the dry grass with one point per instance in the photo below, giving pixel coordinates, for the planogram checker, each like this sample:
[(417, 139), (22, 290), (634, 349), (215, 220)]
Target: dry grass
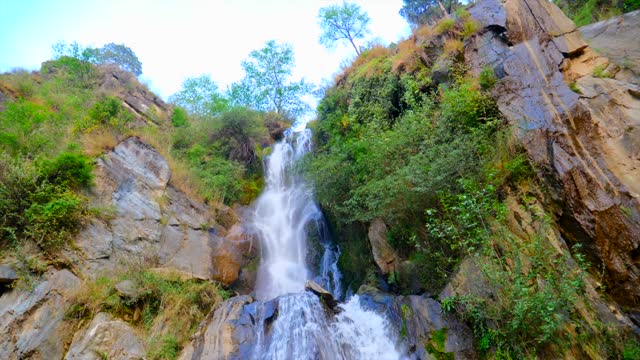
[(423, 32), (365, 57), (99, 141), (452, 47), (407, 58)]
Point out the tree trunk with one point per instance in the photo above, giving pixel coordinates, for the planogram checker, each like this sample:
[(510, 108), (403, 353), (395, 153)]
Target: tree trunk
[(444, 10), (354, 46)]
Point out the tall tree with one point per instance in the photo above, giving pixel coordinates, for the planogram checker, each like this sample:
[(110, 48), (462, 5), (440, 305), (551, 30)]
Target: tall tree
[(346, 21), (201, 97), (419, 12), (111, 53), (267, 86), (120, 55)]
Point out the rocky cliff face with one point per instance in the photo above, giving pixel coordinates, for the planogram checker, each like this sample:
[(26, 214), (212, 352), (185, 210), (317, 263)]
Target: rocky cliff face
[(154, 222), (584, 144), (147, 223)]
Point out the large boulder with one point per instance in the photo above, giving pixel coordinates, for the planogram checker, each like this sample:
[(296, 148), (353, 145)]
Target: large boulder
[(106, 337), (383, 254), (426, 331), (591, 171), (155, 223), (32, 321), (228, 333)]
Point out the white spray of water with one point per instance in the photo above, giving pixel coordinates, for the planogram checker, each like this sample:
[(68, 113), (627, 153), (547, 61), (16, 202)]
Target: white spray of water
[(303, 329)]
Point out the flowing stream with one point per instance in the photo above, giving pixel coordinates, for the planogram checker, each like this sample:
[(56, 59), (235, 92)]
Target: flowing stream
[(286, 216)]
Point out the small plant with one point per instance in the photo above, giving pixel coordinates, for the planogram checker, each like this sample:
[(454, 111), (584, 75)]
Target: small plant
[(574, 87), (452, 47), (487, 78), (179, 117), (600, 71), (469, 27), (445, 25)]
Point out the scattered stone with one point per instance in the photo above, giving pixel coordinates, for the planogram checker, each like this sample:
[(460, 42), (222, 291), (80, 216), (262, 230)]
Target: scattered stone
[(128, 289)]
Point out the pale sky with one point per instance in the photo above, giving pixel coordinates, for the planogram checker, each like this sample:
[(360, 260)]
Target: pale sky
[(176, 39)]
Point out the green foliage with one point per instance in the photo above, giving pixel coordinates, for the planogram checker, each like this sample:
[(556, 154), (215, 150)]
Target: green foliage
[(436, 345), (179, 305), (574, 87), (600, 71), (487, 78), (28, 129), (267, 85), (69, 169), (201, 97), (343, 22), (164, 348), (111, 53), (588, 11), (444, 25), (420, 12), (37, 204), (179, 117)]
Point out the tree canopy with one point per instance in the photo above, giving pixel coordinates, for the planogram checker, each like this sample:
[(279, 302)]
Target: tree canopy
[(267, 85), (418, 12), (200, 97), (346, 21), (111, 53)]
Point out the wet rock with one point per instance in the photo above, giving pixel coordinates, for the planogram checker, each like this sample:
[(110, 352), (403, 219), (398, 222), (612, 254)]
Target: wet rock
[(227, 333), (325, 296), (422, 324), (589, 173), (106, 337), (32, 322), (7, 275), (383, 254)]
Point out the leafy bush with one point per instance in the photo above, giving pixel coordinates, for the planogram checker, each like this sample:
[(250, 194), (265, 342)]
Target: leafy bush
[(179, 117), (34, 209), (487, 78), (69, 169)]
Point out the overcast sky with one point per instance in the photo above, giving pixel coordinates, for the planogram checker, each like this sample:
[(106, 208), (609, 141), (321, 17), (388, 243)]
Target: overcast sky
[(176, 39)]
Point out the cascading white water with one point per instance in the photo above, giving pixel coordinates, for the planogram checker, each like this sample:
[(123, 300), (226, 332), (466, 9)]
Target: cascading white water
[(303, 329)]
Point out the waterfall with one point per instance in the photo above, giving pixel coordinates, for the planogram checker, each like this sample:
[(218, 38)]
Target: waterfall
[(285, 215)]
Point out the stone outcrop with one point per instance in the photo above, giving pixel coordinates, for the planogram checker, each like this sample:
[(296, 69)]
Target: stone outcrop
[(154, 222), (228, 333), (582, 145), (106, 337), (418, 319), (32, 321), (383, 254), (617, 39)]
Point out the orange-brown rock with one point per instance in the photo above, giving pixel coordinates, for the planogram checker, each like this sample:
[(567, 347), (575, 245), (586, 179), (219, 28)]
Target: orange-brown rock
[(582, 145)]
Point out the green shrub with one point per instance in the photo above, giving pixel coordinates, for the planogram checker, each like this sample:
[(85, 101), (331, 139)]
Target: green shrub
[(487, 78), (179, 117), (69, 169), (445, 25), (600, 71)]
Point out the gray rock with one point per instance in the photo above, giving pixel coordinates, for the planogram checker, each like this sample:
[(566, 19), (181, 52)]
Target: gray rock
[(419, 319), (617, 39), (227, 333), (33, 321), (7, 274), (128, 289), (108, 337)]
